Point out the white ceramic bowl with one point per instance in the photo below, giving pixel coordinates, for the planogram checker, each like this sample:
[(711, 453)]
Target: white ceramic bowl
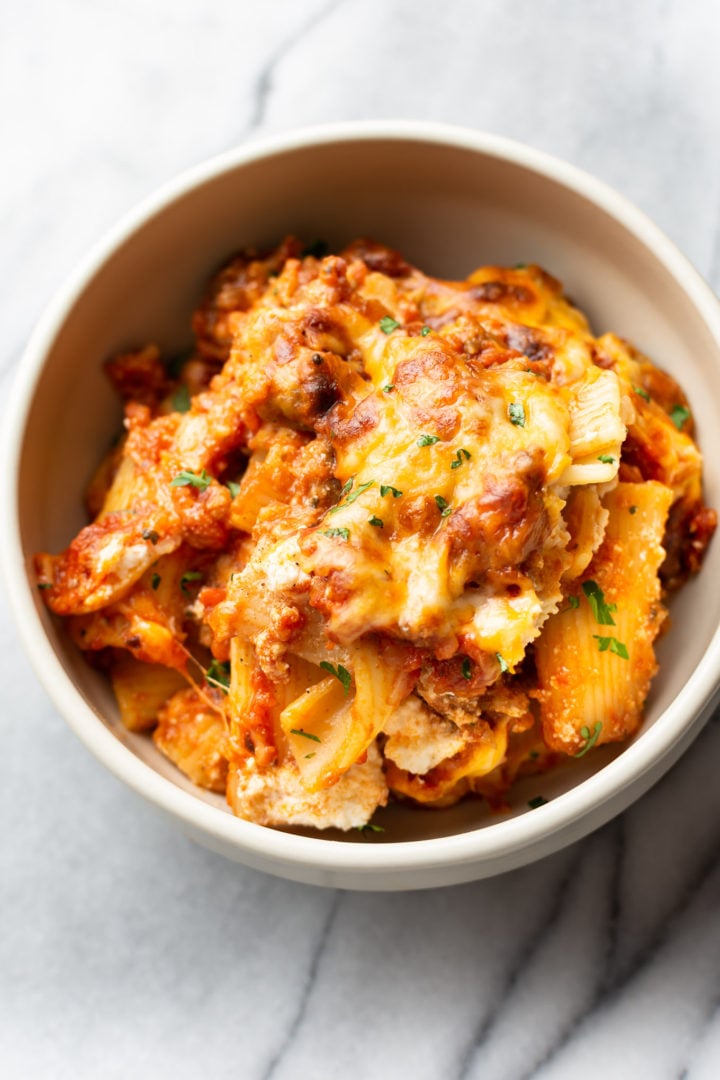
[(450, 200)]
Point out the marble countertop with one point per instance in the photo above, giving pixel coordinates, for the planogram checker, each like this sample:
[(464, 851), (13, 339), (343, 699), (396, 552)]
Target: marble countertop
[(127, 951)]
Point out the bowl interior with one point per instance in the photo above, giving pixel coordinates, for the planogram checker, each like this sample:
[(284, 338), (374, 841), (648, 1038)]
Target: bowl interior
[(447, 208)]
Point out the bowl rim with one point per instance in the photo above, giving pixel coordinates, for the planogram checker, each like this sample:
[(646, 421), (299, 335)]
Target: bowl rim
[(580, 805)]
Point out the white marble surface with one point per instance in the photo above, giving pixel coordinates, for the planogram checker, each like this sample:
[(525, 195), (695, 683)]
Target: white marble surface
[(127, 951)]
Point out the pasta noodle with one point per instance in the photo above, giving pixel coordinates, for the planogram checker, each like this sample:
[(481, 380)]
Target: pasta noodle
[(382, 534)]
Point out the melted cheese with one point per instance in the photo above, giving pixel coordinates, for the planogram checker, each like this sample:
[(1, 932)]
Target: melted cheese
[(379, 500)]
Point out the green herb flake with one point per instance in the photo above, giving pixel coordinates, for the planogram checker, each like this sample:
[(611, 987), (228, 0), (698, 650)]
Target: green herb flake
[(679, 414), (596, 600), (377, 522), (388, 488), (350, 498), (155, 581), (425, 331), (428, 440), (502, 662), (188, 576), (339, 672), (590, 739), (607, 459), (44, 585), (370, 828), (538, 800), (342, 534), (467, 668), (388, 388), (521, 266), (310, 755), (633, 509), (358, 492), (613, 645), (460, 455), (233, 488), (534, 755), (573, 602), (643, 393), (219, 674), (516, 414), (151, 535), (187, 478), (443, 506), (305, 734), (181, 399), (388, 324)]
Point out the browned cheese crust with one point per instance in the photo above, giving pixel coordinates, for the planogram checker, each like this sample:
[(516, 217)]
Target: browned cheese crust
[(382, 533)]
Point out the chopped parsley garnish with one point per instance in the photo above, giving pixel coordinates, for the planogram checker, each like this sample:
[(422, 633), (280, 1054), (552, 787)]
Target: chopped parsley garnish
[(425, 331), (633, 509), (339, 672), (612, 644), (607, 459), (370, 828), (538, 800), (643, 393), (317, 249), (428, 440), (443, 506), (377, 522), (351, 498), (385, 488), (516, 414), (219, 674), (679, 414), (310, 755), (188, 576), (155, 580), (151, 535), (305, 734), (388, 388), (502, 662), (521, 266), (388, 324), (343, 534), (573, 601), (358, 492), (191, 479), (596, 600), (467, 668), (44, 585), (590, 739), (181, 399), (233, 488), (460, 455)]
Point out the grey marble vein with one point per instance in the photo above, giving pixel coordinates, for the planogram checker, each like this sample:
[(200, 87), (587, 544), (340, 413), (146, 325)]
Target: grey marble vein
[(308, 988), (126, 950), (547, 918), (264, 82)]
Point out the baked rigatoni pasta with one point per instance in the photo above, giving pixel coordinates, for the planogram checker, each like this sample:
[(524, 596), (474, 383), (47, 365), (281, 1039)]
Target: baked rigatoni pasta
[(383, 534)]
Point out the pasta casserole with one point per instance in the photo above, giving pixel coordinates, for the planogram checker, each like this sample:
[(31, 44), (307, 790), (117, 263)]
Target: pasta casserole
[(382, 534)]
